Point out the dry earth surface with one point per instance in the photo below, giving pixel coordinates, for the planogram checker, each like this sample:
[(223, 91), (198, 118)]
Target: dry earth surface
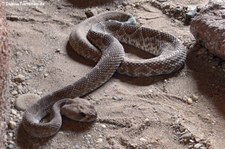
[(181, 110)]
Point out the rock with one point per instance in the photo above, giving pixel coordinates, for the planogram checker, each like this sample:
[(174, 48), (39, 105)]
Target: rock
[(190, 13), (198, 145), (189, 101), (124, 3), (103, 126), (184, 98), (10, 146), (178, 10), (39, 92), (19, 78), (195, 97), (143, 140), (14, 92), (186, 136), (13, 111), (208, 28), (77, 147), (19, 87), (10, 134), (45, 75), (58, 51), (147, 122), (197, 139), (115, 146), (90, 13), (99, 140), (110, 140), (11, 142), (117, 98), (26, 100), (12, 124)]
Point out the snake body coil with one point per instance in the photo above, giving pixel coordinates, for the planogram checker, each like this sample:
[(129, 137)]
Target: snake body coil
[(101, 32)]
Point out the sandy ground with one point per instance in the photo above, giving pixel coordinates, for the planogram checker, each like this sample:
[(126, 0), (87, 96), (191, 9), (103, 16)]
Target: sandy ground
[(140, 113)]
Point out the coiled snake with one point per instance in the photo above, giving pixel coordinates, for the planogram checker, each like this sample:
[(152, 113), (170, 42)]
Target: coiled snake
[(103, 32)]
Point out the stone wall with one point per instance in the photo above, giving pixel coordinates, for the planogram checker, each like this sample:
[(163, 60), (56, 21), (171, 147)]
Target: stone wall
[(4, 57), (209, 27)]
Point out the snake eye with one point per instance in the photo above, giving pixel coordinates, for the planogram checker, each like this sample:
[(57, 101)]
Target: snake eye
[(82, 114)]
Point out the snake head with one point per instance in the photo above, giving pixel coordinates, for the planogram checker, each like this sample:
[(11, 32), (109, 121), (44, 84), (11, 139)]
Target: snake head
[(79, 110)]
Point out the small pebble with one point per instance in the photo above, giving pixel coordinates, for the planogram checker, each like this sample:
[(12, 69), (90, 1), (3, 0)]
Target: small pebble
[(10, 146), (143, 139), (19, 87), (117, 98), (115, 146), (14, 92), (58, 51), (12, 124), (103, 126), (178, 9), (46, 75), (186, 136), (191, 141), (191, 12), (29, 70), (197, 146), (26, 100), (124, 3), (10, 134), (5, 137), (165, 81), (197, 139), (13, 111), (77, 147), (185, 98), (19, 78), (99, 140), (110, 140), (19, 117), (10, 142), (194, 97), (165, 6), (147, 122), (189, 101), (90, 13), (190, 146), (39, 92)]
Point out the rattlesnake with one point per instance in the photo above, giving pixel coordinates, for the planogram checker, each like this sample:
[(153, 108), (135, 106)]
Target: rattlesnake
[(170, 56), (167, 60)]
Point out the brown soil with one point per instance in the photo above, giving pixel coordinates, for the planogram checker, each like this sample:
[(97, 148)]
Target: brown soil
[(132, 112)]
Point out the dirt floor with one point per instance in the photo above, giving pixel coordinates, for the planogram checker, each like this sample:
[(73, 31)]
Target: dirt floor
[(181, 110)]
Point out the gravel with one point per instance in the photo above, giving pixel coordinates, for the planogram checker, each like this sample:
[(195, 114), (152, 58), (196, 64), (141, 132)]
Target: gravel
[(19, 78)]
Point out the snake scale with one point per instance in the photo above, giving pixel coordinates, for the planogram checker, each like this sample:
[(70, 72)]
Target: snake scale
[(98, 38)]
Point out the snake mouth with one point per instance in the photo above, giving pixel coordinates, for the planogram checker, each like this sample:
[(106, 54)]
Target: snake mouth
[(88, 117), (87, 120)]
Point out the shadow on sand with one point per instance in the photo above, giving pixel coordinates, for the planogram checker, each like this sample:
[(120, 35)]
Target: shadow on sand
[(210, 82)]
